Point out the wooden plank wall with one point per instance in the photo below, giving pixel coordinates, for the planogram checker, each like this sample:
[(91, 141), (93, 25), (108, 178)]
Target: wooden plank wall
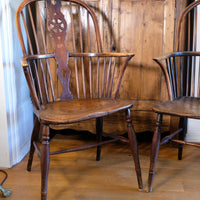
[(145, 27)]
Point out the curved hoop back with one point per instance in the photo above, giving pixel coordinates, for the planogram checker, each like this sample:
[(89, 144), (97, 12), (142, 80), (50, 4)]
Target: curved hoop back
[(63, 54), (187, 28), (182, 73), (56, 27)]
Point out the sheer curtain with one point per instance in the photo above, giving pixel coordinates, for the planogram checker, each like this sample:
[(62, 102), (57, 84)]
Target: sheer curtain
[(16, 123)]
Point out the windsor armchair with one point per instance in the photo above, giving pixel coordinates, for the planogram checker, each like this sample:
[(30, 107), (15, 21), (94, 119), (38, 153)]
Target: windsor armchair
[(69, 77), (180, 70), (181, 73)]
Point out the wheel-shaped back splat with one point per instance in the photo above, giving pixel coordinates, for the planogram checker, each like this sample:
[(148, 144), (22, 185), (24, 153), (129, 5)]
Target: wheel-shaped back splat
[(57, 27)]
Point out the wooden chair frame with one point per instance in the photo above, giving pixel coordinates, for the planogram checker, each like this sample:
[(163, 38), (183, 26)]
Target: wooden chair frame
[(181, 89), (92, 100), (179, 69)]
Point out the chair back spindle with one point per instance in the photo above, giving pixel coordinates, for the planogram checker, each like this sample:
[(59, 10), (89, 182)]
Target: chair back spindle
[(182, 73)]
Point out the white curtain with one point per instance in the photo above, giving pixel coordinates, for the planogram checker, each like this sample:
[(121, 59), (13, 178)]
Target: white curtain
[(17, 121)]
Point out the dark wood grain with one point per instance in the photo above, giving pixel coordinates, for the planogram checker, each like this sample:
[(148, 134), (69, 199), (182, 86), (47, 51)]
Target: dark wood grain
[(66, 111), (185, 106)]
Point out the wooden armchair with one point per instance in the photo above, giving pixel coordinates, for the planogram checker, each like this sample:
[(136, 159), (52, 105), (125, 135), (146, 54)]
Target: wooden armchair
[(182, 77), (69, 77), (181, 73)]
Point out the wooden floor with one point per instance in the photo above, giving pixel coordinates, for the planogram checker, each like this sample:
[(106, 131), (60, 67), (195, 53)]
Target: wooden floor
[(77, 176)]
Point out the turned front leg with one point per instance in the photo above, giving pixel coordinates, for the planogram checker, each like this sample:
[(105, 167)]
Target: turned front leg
[(44, 161), (154, 151), (134, 149)]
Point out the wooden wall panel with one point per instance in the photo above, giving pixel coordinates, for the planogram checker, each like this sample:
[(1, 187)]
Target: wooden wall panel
[(145, 27), (142, 34)]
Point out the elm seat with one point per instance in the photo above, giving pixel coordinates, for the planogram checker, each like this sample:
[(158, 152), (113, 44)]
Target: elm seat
[(62, 112), (182, 107)]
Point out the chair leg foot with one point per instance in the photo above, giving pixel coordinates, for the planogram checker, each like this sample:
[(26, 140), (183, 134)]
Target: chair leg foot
[(154, 152), (98, 156), (150, 181), (134, 149), (34, 137), (30, 159), (183, 124), (44, 161), (180, 152), (43, 196), (139, 178), (99, 128)]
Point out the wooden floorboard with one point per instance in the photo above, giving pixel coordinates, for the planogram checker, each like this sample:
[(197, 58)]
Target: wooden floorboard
[(77, 176)]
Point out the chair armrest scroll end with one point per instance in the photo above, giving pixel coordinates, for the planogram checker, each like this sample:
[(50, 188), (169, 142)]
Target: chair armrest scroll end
[(24, 62)]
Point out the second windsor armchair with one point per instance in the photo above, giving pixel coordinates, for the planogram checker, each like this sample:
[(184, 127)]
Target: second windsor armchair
[(181, 71)]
